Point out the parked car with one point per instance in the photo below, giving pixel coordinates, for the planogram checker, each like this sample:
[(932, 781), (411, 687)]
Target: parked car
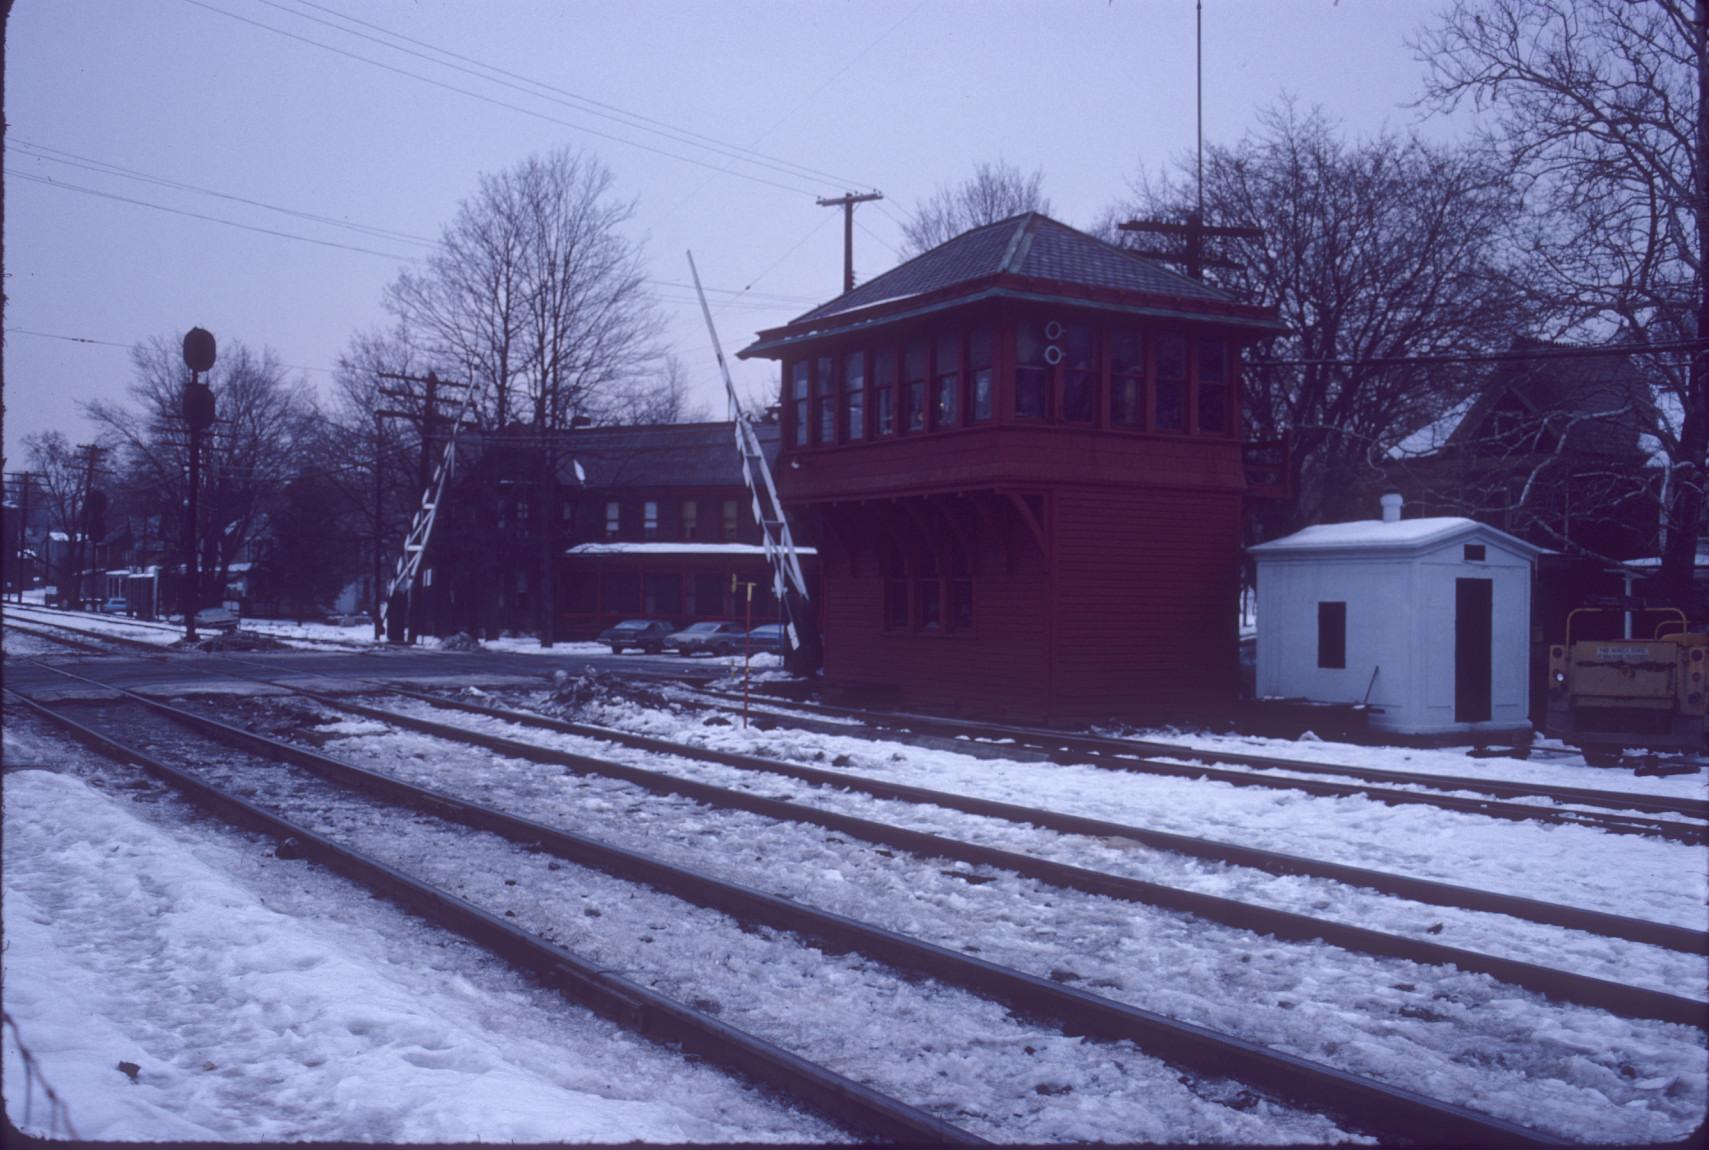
[(643, 634), (351, 619), (210, 619), (767, 638), (116, 605), (707, 638)]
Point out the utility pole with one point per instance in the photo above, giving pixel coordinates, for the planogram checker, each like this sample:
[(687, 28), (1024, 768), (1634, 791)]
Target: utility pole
[(80, 525), (24, 481), (1195, 231), (847, 203), (379, 517)]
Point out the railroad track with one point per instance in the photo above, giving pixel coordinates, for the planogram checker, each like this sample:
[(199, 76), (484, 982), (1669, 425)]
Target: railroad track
[(1359, 1102), (80, 640), (1681, 820)]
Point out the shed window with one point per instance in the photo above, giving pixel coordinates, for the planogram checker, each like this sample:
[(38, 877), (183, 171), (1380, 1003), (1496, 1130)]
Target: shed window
[(730, 520), (914, 383), (1127, 377), (1032, 373), (1213, 386), (650, 519), (1332, 634), (980, 371), (1474, 552), (827, 391), (798, 394), (613, 519), (884, 391), (1079, 373), (1171, 412), (854, 395), (948, 390)]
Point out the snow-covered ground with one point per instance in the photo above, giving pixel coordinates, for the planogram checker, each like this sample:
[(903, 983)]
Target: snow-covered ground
[(250, 991), (263, 1000)]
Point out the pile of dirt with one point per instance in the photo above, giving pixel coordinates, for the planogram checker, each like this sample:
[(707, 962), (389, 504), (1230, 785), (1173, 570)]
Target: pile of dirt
[(461, 641), (239, 641)]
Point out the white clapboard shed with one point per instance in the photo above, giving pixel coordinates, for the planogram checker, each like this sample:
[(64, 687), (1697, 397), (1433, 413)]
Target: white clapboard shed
[(1425, 620)]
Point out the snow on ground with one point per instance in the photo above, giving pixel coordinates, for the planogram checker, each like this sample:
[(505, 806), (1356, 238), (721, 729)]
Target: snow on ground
[(1593, 955), (1574, 866), (264, 1000), (1562, 766), (1466, 1038)]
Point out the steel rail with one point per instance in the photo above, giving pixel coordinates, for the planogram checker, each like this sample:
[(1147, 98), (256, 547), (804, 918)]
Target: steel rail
[(1422, 890), (1059, 749), (74, 644), (104, 636), (1619, 998), (1363, 1102), (1043, 738), (636, 1007)]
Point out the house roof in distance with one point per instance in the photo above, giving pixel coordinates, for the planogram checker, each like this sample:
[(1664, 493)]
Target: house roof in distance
[(1402, 536), (1029, 255), (649, 455)]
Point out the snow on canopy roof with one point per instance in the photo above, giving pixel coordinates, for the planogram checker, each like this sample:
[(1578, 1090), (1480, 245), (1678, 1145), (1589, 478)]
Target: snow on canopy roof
[(731, 550), (1379, 535)]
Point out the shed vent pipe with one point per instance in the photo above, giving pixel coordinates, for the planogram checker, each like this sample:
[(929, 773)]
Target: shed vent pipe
[(1391, 506)]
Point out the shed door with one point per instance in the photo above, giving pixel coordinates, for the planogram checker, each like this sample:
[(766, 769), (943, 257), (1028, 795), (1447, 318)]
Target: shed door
[(1473, 606)]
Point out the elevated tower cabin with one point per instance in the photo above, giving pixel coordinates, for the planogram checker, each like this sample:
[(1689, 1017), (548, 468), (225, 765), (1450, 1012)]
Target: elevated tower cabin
[(1019, 454)]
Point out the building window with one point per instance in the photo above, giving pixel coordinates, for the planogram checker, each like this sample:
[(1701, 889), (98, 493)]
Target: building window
[(1213, 386), (947, 411), (521, 510), (650, 519), (980, 371), (827, 392), (884, 390), (928, 604), (914, 382), (854, 395), (1032, 372), (690, 518), (798, 392), (613, 519), (896, 616), (1079, 373), (731, 522), (960, 606), (662, 593), (1332, 635), (521, 591), (1171, 413), (1127, 377)]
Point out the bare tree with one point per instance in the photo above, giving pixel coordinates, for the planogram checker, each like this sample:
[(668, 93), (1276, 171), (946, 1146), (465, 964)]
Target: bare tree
[(61, 477), (661, 398), (1600, 106), (994, 192), (534, 293), (1373, 251), (264, 420)]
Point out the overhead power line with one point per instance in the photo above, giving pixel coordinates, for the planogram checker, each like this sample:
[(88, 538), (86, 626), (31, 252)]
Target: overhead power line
[(796, 189), (552, 92), (88, 163), (52, 183)]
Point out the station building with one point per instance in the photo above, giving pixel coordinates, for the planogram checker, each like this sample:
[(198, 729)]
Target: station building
[(1020, 454)]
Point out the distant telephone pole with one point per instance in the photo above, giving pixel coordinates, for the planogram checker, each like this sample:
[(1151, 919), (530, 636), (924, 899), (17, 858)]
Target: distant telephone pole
[(847, 203), (1194, 232), (25, 481), (91, 460)]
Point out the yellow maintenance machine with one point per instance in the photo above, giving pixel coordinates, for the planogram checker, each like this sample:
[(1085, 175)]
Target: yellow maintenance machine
[(1609, 694)]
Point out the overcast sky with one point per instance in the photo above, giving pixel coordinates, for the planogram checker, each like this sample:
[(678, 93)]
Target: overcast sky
[(291, 105)]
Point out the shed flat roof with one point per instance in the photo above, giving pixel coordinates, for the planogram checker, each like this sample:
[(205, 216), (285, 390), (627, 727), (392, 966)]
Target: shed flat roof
[(731, 550), (1364, 535)]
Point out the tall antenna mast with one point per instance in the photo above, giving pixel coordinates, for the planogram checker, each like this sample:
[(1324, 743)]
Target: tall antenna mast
[(1199, 75)]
